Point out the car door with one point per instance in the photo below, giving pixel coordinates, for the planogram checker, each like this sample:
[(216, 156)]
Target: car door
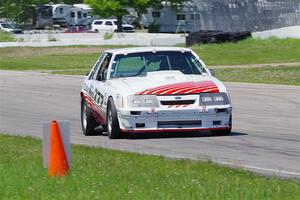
[(97, 25), (99, 83), (109, 26), (88, 86)]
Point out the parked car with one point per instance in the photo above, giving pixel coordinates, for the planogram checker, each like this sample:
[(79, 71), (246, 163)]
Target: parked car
[(6, 27), (153, 89), (110, 25)]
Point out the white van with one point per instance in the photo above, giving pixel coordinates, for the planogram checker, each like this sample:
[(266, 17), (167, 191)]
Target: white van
[(109, 25)]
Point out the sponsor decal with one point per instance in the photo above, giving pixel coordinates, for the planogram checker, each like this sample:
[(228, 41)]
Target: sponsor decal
[(98, 97), (97, 112), (204, 109)]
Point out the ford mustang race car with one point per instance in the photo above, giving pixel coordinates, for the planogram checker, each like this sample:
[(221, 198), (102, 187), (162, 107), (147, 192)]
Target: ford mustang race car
[(153, 89)]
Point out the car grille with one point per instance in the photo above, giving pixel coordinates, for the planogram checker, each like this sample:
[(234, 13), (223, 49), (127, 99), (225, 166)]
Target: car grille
[(180, 102), (179, 124)]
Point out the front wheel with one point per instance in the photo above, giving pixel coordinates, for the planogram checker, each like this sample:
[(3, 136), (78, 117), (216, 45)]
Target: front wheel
[(113, 127), (88, 123)]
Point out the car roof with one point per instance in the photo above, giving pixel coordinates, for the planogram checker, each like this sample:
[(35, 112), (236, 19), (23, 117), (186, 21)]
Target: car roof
[(105, 20), (146, 49)]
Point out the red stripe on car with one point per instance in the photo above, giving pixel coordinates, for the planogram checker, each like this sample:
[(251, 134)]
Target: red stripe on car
[(182, 88)]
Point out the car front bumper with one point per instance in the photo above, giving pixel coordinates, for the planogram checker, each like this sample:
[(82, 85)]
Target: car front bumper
[(174, 120)]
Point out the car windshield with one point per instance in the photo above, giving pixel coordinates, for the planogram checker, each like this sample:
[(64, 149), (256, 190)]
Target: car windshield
[(7, 26), (138, 64)]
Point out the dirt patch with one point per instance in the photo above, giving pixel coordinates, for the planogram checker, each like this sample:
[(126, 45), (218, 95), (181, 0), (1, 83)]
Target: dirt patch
[(41, 51)]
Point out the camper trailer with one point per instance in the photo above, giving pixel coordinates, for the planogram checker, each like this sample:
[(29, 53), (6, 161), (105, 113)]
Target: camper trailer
[(86, 14), (61, 14), (186, 19), (71, 15), (42, 16)]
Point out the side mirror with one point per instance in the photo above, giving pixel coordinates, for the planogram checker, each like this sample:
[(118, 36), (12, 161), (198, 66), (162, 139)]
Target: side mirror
[(212, 72)]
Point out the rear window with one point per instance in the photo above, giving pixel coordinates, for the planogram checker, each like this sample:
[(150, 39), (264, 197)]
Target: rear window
[(98, 22), (109, 23)]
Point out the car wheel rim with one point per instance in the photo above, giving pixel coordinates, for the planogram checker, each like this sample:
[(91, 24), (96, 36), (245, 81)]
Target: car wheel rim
[(109, 122), (84, 117)]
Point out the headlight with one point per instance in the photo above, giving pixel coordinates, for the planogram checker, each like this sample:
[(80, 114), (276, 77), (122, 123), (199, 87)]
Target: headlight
[(137, 101), (209, 99)]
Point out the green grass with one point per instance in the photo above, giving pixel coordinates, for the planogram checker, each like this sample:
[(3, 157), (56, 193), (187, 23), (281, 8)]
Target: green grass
[(108, 36), (50, 58), (49, 62), (108, 174), (250, 51), (272, 75), (6, 37), (77, 60)]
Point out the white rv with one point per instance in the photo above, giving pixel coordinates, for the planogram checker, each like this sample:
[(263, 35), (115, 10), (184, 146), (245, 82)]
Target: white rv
[(86, 12), (71, 15), (186, 19)]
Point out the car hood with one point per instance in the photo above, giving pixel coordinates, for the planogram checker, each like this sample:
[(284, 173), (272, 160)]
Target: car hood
[(12, 30), (7, 29), (167, 83), (127, 25)]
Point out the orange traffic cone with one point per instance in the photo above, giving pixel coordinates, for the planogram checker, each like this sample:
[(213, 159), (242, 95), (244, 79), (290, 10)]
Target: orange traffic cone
[(58, 163)]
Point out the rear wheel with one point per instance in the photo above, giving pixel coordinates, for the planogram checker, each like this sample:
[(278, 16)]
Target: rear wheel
[(223, 132), (88, 122), (113, 127)]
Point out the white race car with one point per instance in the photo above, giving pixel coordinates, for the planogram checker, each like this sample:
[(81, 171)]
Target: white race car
[(153, 89)]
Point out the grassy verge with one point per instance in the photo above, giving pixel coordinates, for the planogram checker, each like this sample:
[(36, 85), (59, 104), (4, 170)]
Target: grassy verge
[(272, 75), (49, 62), (48, 58), (107, 174), (6, 37), (249, 51), (77, 60)]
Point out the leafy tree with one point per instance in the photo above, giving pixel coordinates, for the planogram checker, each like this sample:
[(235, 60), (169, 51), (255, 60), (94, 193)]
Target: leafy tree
[(14, 9), (118, 8)]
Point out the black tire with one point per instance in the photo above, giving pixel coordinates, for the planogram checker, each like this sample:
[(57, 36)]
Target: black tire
[(113, 127), (88, 122), (223, 132)]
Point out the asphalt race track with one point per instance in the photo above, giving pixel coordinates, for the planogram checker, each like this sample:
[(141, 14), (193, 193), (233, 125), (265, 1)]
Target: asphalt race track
[(266, 129)]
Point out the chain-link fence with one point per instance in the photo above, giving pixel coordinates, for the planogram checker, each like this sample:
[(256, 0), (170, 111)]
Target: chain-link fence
[(246, 15)]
